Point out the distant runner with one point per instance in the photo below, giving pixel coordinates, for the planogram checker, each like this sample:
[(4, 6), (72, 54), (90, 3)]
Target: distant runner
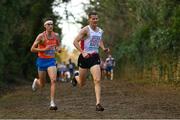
[(110, 64)]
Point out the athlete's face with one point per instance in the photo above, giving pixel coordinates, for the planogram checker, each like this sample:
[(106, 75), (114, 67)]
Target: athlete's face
[(49, 27), (93, 20)]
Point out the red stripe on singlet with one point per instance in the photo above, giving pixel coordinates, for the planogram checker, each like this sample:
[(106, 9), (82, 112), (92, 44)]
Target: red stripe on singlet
[(82, 44)]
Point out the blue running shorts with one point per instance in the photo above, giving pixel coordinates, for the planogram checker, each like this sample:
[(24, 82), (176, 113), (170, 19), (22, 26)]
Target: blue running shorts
[(43, 63)]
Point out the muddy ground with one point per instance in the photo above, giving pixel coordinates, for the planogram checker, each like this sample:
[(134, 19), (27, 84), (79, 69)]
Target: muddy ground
[(121, 99)]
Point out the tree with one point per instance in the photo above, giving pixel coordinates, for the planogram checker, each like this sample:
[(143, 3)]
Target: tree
[(20, 22)]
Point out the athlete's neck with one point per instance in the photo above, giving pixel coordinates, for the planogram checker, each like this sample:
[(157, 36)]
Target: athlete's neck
[(93, 27), (49, 34)]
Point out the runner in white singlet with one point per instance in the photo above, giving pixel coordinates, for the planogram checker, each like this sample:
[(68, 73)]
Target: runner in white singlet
[(91, 39)]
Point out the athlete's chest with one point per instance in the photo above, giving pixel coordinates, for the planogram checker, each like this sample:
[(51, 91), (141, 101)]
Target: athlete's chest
[(50, 42), (95, 34)]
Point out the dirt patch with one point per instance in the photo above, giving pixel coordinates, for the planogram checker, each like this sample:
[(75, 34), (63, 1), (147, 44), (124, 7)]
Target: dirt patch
[(121, 99)]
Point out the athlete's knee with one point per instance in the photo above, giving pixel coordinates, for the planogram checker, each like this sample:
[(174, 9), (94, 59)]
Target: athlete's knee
[(97, 80)]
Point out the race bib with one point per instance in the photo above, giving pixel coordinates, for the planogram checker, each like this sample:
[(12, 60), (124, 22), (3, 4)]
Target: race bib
[(50, 52), (94, 41)]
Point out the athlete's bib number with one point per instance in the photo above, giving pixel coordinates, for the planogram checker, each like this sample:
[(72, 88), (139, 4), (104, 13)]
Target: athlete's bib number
[(50, 52), (94, 41)]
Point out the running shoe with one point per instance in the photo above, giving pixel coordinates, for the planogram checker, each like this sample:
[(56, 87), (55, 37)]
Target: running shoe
[(99, 107), (34, 84), (74, 81), (53, 106)]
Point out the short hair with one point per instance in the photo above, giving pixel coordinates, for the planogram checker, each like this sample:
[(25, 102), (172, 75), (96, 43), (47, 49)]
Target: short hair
[(92, 13)]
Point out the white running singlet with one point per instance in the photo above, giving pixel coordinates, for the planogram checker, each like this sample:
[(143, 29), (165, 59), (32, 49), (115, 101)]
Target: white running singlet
[(91, 43)]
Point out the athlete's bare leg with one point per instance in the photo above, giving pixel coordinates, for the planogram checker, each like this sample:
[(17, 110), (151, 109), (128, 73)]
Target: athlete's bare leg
[(52, 71), (96, 73), (41, 80), (112, 75), (81, 78)]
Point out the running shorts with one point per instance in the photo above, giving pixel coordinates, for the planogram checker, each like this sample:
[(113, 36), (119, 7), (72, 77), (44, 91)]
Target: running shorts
[(43, 63), (88, 62)]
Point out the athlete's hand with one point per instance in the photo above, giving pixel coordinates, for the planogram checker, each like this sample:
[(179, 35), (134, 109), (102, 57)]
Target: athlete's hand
[(58, 49), (106, 50), (48, 47), (85, 54)]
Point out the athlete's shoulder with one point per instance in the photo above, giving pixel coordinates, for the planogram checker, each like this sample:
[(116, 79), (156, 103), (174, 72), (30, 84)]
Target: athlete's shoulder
[(56, 34), (100, 30), (40, 35), (84, 30)]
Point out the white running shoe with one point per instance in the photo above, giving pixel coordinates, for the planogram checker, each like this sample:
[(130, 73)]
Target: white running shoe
[(52, 106), (34, 84)]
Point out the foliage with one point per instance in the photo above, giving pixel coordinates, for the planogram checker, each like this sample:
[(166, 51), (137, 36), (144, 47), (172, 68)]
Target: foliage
[(142, 33), (20, 22)]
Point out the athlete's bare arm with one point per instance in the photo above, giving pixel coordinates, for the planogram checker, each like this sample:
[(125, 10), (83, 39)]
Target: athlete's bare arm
[(101, 44), (80, 36), (58, 48), (34, 47)]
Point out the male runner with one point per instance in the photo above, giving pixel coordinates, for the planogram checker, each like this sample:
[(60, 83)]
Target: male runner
[(91, 36), (46, 44)]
